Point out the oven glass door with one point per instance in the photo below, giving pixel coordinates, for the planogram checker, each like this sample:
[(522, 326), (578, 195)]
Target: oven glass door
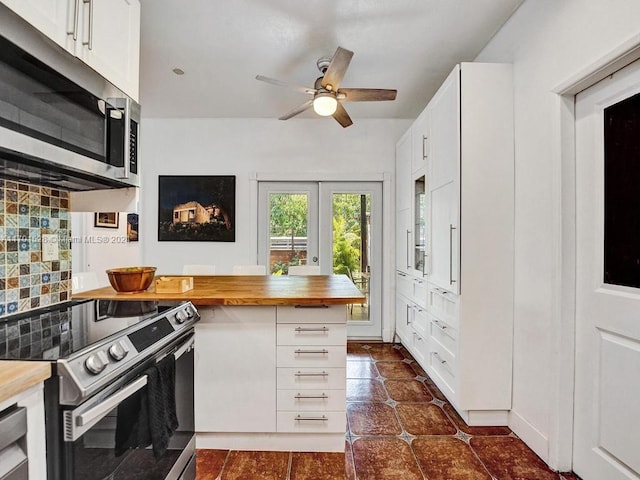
[(98, 452)]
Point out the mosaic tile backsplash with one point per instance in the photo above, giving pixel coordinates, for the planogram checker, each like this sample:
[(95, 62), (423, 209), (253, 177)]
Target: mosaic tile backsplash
[(44, 337), (26, 213)]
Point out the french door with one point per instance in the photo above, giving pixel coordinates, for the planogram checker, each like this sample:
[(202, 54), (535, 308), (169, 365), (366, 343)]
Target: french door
[(334, 225), (607, 381)]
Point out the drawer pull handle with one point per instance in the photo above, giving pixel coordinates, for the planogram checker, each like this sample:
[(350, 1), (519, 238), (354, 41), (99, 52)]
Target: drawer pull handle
[(439, 358), (300, 418), (324, 351), (439, 325), (324, 396), (310, 306), (302, 329), (311, 374)]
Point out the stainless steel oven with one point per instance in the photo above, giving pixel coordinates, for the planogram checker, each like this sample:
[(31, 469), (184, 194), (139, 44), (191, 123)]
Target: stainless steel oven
[(93, 445), (119, 404)]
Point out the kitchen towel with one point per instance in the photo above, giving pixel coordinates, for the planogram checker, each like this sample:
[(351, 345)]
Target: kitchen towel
[(132, 423), (161, 403)]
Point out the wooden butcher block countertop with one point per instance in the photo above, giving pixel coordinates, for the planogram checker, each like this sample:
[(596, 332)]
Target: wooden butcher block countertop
[(250, 290), (18, 376)]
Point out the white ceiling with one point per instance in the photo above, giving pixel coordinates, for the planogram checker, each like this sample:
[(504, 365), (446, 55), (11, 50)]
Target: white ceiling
[(409, 45)]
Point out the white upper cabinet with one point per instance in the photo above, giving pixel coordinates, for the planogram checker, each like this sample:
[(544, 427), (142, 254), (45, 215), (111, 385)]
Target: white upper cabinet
[(104, 34), (110, 41), (444, 141), (403, 172), (420, 139), (52, 17)]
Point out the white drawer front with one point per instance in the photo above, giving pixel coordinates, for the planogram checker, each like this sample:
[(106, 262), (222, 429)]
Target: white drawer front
[(404, 284), (445, 334), (312, 334), (420, 292), (316, 378), (441, 361), (312, 422), (312, 314), (312, 400), (312, 356), (420, 320), (443, 305)]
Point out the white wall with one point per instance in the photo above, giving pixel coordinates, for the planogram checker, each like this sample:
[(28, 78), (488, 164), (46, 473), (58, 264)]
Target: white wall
[(549, 42), (98, 249)]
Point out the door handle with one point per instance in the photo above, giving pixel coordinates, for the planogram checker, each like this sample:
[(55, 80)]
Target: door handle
[(451, 279), (89, 42)]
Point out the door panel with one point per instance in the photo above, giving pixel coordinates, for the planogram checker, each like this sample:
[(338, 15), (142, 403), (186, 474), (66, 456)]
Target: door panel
[(607, 384)]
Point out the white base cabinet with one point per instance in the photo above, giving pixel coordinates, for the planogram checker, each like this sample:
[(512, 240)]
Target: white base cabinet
[(33, 401), (464, 338), (271, 378)]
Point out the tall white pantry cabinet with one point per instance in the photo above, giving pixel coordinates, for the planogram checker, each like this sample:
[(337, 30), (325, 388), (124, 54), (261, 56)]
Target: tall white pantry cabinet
[(460, 327)]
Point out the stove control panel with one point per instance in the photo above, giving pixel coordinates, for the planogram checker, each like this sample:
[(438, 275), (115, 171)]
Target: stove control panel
[(96, 366), (118, 350), (96, 362)]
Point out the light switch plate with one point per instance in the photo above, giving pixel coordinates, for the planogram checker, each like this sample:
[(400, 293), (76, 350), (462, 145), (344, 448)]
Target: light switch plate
[(49, 247)]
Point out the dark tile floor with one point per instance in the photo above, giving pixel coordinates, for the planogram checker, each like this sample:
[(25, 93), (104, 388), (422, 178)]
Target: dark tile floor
[(399, 427)]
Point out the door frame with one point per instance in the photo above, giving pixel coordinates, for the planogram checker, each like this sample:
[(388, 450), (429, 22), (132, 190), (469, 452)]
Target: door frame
[(388, 225), (563, 322)]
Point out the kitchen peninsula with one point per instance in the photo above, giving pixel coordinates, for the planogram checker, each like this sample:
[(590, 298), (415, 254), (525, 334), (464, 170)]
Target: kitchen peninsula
[(270, 368)]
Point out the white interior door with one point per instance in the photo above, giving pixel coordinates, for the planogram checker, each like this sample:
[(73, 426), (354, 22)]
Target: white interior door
[(607, 381)]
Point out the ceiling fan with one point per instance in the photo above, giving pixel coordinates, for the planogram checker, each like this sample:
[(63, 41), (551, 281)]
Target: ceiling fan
[(327, 94)]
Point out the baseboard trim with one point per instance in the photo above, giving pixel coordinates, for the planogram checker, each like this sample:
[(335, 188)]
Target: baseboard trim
[(530, 435), (281, 442)]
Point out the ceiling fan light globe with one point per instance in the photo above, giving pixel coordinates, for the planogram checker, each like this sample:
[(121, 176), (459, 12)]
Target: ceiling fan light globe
[(325, 104)]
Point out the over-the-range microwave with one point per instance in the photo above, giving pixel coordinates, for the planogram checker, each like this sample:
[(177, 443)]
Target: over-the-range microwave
[(62, 124)]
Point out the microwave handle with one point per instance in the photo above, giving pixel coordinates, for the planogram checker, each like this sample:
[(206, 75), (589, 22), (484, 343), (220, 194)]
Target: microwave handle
[(124, 104), (76, 424)]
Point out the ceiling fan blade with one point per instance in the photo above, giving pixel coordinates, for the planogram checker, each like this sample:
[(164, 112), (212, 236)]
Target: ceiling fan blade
[(297, 110), (337, 68), (342, 117), (280, 83), (366, 94)]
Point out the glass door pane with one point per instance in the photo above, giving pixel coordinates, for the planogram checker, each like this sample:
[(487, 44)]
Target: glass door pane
[(288, 225), (351, 246)]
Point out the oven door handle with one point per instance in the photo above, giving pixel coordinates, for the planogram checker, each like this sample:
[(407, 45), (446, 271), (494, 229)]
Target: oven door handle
[(76, 423)]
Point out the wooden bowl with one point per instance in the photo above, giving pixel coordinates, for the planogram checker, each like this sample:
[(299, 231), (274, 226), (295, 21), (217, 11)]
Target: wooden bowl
[(131, 279)]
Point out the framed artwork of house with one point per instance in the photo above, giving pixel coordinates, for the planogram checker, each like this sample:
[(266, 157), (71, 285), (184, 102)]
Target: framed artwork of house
[(106, 219), (196, 208)]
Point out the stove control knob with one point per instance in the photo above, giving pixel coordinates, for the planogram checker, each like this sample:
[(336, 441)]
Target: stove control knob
[(181, 316), (189, 310), (118, 351), (95, 364)]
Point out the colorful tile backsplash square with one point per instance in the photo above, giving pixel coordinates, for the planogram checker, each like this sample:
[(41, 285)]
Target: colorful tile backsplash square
[(26, 213)]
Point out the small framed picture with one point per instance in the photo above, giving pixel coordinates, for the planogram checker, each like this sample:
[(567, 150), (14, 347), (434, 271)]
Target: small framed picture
[(106, 220)]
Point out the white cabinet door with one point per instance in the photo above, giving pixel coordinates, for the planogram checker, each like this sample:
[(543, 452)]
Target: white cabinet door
[(235, 369), (444, 238), (444, 143), (420, 141), (403, 172), (404, 316), (404, 240), (110, 41), (54, 18)]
